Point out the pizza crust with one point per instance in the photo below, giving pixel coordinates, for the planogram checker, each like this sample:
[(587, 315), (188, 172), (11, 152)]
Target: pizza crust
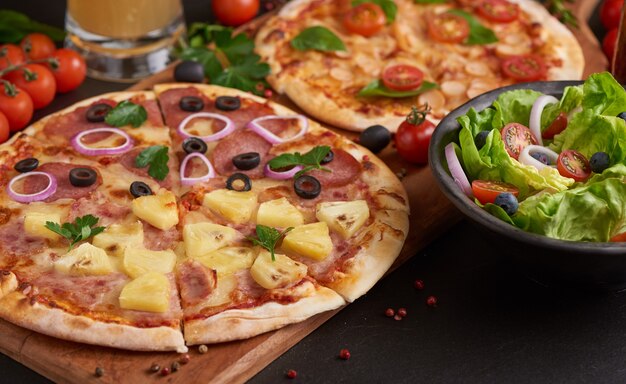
[(8, 283)]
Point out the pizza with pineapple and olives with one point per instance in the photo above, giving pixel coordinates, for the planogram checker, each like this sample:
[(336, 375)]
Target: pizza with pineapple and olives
[(185, 215)]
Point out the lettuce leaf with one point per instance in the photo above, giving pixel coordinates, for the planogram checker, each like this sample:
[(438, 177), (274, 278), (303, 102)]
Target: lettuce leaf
[(603, 95), (514, 107), (572, 99)]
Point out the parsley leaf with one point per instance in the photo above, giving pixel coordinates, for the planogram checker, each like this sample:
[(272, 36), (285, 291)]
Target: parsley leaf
[(157, 157), (126, 113), (310, 160), (268, 237), (245, 75), (82, 229), (376, 88), (388, 6), (317, 38), (479, 34)]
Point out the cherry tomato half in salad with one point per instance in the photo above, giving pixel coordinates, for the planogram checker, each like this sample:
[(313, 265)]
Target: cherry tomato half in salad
[(16, 105), (413, 136), (487, 191), (37, 80), (37, 46), (365, 19), (516, 137), (71, 70), (557, 126), (619, 238), (524, 68), (573, 164), (10, 54), (402, 77), (448, 28), (610, 13), (500, 11), (235, 12)]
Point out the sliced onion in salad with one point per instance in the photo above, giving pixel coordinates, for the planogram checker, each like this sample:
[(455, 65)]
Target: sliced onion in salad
[(526, 156), (227, 130), (257, 127), (535, 115), (457, 171), (184, 180), (50, 189), (278, 175), (94, 151)]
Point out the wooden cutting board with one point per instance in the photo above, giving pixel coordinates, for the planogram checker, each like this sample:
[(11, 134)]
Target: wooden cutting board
[(235, 362)]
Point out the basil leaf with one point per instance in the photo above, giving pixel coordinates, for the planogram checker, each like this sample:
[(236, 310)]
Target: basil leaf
[(317, 38), (126, 113), (478, 33), (15, 25), (157, 157), (388, 6), (376, 88)]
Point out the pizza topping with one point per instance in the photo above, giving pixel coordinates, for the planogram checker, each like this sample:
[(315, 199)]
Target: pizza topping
[(247, 161), (309, 240), (233, 185), (235, 206), (194, 145), (149, 292), (83, 177), (156, 157), (500, 11), (279, 213), (81, 147), (307, 187), (81, 229), (42, 194), (139, 188), (188, 180), (268, 237), (308, 161), (343, 217), (137, 262), (191, 104), (242, 141), (160, 210), (126, 113), (402, 77), (330, 156), (97, 112), (227, 128), (375, 138), (448, 28), (228, 103), (26, 165), (524, 68), (478, 34), (86, 260), (365, 19), (276, 271), (344, 169), (64, 190), (317, 38), (284, 173), (256, 126), (196, 281), (377, 88)]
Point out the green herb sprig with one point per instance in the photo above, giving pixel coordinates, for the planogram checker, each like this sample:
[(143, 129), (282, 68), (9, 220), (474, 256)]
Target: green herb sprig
[(268, 237), (310, 160), (377, 88), (15, 25), (561, 12), (82, 229), (126, 113), (156, 157), (317, 38)]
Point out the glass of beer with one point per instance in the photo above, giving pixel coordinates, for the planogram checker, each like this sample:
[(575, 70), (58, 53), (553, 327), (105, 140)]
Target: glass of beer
[(124, 40)]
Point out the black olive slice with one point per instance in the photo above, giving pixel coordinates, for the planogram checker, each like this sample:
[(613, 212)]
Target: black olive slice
[(83, 177), (191, 104), (230, 183), (330, 156), (139, 188), (97, 112), (307, 187), (26, 165), (194, 144), (227, 103), (247, 161)]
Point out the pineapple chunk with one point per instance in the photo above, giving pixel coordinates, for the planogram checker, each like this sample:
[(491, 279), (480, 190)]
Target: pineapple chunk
[(202, 238), (226, 284), (279, 213), (138, 262), (35, 224), (149, 292), (84, 260), (228, 260), (117, 237), (343, 217), (277, 273), (310, 240), (235, 206), (160, 210)]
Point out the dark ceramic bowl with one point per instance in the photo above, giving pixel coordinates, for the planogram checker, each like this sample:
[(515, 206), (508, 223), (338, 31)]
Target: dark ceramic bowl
[(546, 260)]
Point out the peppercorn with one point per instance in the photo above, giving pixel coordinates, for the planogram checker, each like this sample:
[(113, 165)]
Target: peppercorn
[(203, 349), (292, 374), (165, 371), (419, 284), (402, 312), (344, 354), (431, 301), (185, 358), (99, 372), (155, 367), (389, 312), (175, 366)]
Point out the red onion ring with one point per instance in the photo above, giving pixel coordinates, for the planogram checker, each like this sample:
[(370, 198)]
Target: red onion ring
[(534, 122), (281, 175), (192, 180), (227, 130), (255, 126), (457, 171), (37, 196), (81, 148), (526, 158)]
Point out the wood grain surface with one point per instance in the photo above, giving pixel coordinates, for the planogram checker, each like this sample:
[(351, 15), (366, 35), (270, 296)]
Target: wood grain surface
[(236, 362)]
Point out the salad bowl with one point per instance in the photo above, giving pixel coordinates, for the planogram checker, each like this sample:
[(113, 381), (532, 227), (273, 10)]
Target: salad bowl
[(549, 261)]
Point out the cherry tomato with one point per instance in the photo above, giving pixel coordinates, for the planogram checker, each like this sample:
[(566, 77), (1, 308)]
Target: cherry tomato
[(402, 77), (37, 80), (487, 191), (16, 105), (10, 54), (413, 136), (235, 12), (524, 68), (557, 126), (448, 28), (574, 165), (4, 128), (619, 238), (71, 70), (365, 19), (610, 13), (500, 11), (516, 137), (37, 46), (609, 43)]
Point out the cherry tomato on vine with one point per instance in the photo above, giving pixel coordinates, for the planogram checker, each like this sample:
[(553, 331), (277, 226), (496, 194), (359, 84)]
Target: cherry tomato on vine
[(610, 13), (365, 19), (524, 68), (413, 136), (557, 126), (573, 164), (487, 191), (500, 11), (609, 43), (516, 137), (4, 128), (37, 80), (10, 54), (402, 77), (37, 46), (16, 105), (448, 28), (71, 70), (235, 12)]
